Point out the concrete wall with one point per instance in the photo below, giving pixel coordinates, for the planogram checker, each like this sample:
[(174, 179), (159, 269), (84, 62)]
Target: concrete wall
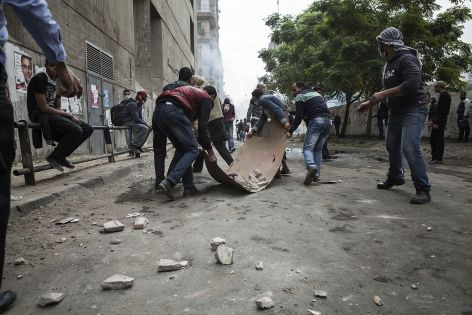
[(149, 41), (357, 124)]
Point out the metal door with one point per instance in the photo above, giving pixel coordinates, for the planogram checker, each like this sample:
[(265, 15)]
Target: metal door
[(95, 113)]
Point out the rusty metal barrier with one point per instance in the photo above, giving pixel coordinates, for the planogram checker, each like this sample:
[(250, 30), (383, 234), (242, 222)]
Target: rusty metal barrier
[(29, 169)]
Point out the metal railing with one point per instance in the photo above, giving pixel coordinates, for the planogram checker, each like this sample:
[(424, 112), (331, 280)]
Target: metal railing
[(29, 169)]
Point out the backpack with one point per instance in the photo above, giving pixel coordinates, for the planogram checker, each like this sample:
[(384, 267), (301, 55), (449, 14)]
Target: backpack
[(116, 113)]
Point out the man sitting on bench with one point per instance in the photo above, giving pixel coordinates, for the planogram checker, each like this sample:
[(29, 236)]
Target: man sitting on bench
[(45, 107)]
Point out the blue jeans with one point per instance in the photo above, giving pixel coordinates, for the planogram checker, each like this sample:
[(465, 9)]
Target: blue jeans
[(317, 132), (404, 137), (173, 123), (229, 131)]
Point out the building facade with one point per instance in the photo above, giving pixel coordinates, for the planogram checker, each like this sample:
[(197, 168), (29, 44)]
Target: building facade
[(209, 61), (112, 45)]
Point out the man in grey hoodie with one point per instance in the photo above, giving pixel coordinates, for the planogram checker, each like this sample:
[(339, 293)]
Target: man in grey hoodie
[(407, 104)]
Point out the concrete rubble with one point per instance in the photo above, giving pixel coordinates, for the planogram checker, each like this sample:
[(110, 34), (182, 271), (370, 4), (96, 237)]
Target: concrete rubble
[(170, 265), (140, 223), (224, 255), (377, 300), (254, 180), (312, 312), (321, 294), (65, 220), (19, 261), (217, 241), (113, 226), (50, 299), (259, 265), (117, 282), (116, 241), (264, 303)]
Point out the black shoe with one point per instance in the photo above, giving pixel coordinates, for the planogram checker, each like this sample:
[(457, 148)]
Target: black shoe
[(67, 163), (422, 196), (316, 179), (167, 188), (137, 154), (285, 172), (6, 299), (140, 150), (390, 182), (310, 175), (55, 163), (191, 192)]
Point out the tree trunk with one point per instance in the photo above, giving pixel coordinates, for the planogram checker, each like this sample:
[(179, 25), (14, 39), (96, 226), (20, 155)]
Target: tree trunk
[(346, 115), (368, 129)]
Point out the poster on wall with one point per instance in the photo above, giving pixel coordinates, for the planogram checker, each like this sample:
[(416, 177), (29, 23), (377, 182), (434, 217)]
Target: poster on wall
[(94, 94), (23, 71), (106, 98)]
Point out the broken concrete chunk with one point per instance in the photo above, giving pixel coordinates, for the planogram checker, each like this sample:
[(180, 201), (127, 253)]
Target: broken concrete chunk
[(414, 286), (50, 299), (61, 240), (113, 226), (224, 255), (140, 223), (168, 265), (259, 265), (217, 241), (320, 293), (312, 312), (117, 282), (116, 241), (264, 303), (65, 220), (184, 263), (19, 261), (377, 300)]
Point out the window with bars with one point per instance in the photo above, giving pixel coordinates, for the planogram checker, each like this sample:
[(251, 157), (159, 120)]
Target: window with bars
[(99, 62)]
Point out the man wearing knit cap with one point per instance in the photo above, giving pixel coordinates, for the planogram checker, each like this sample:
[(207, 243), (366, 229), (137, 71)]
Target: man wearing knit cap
[(407, 104)]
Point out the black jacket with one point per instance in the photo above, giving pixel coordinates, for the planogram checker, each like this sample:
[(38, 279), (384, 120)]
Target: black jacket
[(442, 110), (404, 70)]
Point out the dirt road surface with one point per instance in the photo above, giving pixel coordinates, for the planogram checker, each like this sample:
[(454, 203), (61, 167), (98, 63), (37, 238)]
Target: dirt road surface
[(348, 239)]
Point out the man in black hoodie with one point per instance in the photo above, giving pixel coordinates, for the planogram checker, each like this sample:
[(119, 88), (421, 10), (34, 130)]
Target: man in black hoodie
[(407, 104), (439, 122)]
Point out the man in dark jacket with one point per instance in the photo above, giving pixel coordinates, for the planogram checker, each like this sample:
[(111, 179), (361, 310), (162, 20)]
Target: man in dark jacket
[(440, 122), (463, 112), (173, 116), (133, 117), (407, 104), (311, 108), (228, 118), (337, 123)]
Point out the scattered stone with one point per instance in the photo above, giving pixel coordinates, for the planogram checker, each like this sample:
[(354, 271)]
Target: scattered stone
[(172, 277), (50, 299), (116, 241), (232, 272), (382, 279), (19, 276), (168, 265), (257, 173), (61, 240), (217, 241), (415, 287), (264, 303), (312, 312), (184, 263), (259, 265), (19, 261), (321, 294), (134, 215), (113, 226), (65, 220), (429, 228), (377, 300), (74, 220), (140, 223), (224, 255), (117, 282)]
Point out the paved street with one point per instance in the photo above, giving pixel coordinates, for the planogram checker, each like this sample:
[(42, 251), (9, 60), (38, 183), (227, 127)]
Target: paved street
[(347, 239)]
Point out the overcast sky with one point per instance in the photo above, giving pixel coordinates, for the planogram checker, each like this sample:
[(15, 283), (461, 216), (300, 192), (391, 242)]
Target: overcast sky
[(243, 33)]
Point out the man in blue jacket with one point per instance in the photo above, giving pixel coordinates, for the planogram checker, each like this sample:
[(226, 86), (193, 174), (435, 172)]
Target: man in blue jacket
[(407, 105)]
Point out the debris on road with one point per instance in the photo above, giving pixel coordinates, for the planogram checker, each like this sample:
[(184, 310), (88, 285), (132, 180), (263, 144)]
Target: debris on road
[(19, 261), (184, 263), (377, 300), (61, 240), (140, 223), (312, 312), (259, 265), (65, 220), (321, 294), (134, 215), (217, 241), (224, 255), (168, 265), (113, 226), (116, 241), (117, 282), (19, 277), (415, 286), (264, 303), (429, 228), (50, 299)]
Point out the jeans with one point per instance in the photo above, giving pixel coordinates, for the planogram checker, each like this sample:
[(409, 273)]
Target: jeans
[(317, 132), (172, 122), (7, 155), (437, 142), (140, 134), (229, 132), (159, 145), (404, 138)]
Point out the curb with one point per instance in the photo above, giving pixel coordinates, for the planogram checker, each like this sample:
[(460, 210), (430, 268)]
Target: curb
[(24, 208)]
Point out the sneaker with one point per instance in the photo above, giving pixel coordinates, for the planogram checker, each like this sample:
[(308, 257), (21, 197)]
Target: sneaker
[(6, 299), (316, 179), (310, 175), (167, 188), (137, 154), (191, 192), (390, 182), (67, 163), (55, 163), (422, 196)]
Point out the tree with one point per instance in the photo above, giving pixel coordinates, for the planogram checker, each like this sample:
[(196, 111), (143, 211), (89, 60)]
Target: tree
[(333, 44)]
